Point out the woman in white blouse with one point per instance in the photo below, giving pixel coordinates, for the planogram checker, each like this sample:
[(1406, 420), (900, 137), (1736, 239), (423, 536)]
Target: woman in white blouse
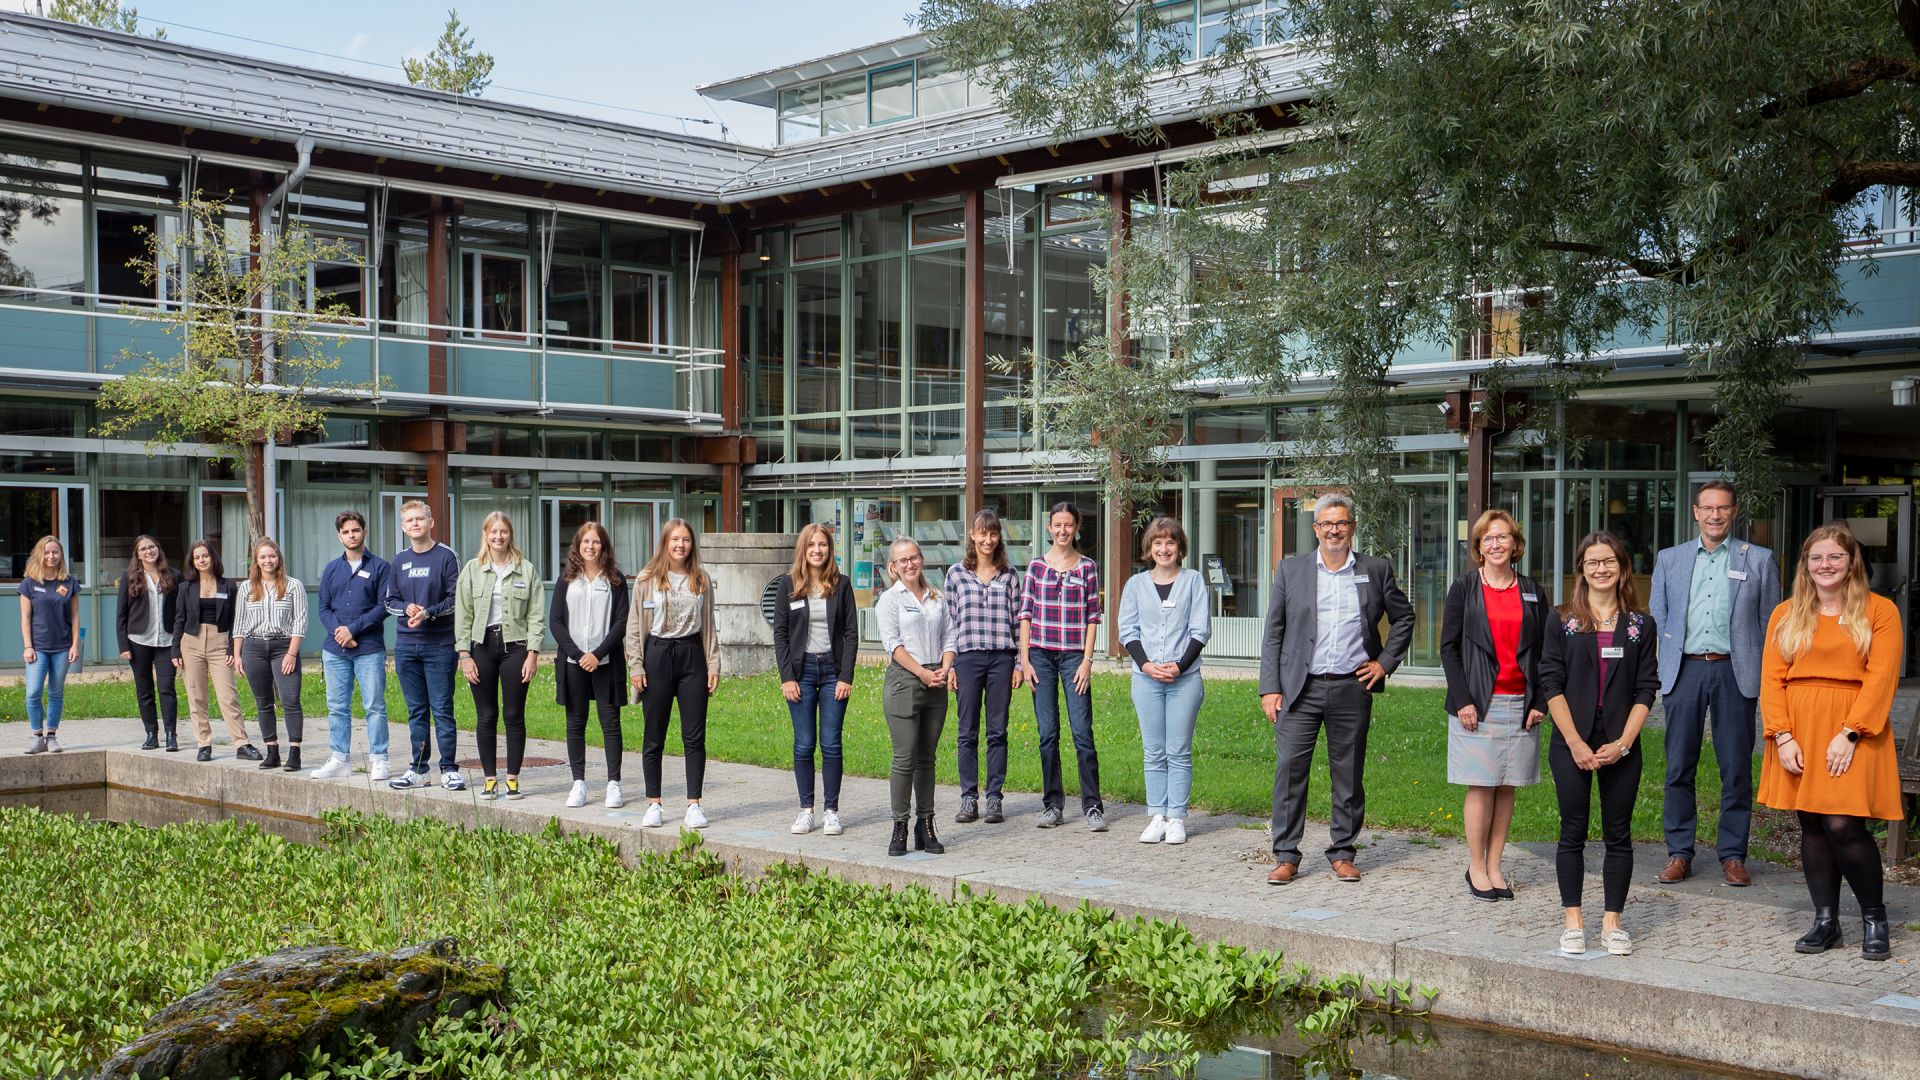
[(588, 619), (913, 630), (145, 625), (673, 658), (267, 628)]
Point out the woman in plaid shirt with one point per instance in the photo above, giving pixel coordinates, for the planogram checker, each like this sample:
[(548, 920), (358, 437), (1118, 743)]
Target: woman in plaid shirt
[(1060, 606), (983, 598)]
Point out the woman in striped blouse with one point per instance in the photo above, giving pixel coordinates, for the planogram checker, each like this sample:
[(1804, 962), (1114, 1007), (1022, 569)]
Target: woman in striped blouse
[(267, 628)]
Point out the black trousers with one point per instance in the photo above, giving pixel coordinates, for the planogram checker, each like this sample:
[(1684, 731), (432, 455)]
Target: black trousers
[(591, 688), (984, 686), (1344, 706), (499, 696), (676, 671), (1619, 784), (153, 680)]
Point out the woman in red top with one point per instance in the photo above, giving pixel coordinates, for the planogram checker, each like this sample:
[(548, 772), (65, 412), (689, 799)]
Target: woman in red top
[(1490, 641)]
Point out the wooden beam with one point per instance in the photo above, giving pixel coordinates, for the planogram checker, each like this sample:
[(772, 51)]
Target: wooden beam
[(1119, 539), (974, 338), (439, 486)]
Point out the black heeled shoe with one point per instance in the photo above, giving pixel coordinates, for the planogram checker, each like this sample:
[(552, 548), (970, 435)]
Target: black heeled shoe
[(293, 759), (1489, 895), (1825, 933), (924, 838), (1873, 934), (272, 760), (898, 845)]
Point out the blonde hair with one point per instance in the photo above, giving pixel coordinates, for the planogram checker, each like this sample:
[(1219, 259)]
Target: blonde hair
[(801, 575), (256, 582), (36, 566), (893, 550), (484, 555), (1479, 533), (657, 567), (1794, 636)]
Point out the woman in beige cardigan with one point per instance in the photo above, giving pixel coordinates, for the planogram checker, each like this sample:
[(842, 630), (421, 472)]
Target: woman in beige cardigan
[(671, 657)]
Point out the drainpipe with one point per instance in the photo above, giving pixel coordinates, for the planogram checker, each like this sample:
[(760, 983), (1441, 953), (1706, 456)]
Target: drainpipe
[(277, 199)]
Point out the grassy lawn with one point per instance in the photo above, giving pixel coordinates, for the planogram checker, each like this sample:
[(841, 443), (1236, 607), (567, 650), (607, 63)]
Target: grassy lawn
[(1233, 747)]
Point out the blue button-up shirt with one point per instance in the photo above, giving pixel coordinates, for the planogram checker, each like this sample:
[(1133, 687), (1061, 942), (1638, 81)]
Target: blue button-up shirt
[(1341, 646), (1709, 611)]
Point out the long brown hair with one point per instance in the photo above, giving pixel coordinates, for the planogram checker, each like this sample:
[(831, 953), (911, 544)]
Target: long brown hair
[(657, 567), (136, 573), (256, 582), (988, 520), (1794, 635), (801, 574), (36, 569), (1626, 596), (577, 564), (214, 567)]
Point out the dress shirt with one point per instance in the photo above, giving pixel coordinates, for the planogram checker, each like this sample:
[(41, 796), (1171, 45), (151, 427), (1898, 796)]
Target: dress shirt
[(153, 635), (1341, 646), (920, 625), (589, 610), (1709, 613), (980, 614)]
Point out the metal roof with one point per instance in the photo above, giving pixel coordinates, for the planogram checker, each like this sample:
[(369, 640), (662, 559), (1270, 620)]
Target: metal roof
[(42, 60), (763, 88)]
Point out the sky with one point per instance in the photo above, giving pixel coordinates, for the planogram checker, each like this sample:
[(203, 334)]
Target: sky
[(623, 56)]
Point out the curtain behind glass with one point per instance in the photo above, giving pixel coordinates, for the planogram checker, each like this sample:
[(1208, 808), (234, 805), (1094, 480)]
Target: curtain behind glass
[(474, 510), (634, 528), (311, 542)]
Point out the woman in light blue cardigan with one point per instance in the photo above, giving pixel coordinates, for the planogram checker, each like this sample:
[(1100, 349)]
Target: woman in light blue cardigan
[(1163, 625)]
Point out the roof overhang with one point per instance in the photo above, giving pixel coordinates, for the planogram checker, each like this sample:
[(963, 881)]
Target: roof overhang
[(763, 88)]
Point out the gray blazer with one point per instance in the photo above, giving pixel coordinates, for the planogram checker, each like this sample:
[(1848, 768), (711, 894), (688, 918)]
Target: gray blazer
[(1755, 592), (1293, 622)]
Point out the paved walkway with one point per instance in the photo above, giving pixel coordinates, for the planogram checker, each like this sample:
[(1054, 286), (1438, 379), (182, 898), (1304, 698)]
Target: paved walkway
[(1714, 976)]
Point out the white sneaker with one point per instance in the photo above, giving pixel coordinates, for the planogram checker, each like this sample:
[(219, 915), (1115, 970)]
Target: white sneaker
[(1155, 831), (577, 795), (1573, 942), (335, 768), (614, 799), (53, 743), (1176, 831), (653, 818), (803, 824), (409, 780), (376, 769), (830, 824), (695, 818), (453, 781), (1618, 942)]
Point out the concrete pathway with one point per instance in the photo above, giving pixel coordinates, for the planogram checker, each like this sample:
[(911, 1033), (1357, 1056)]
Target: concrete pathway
[(1714, 977)]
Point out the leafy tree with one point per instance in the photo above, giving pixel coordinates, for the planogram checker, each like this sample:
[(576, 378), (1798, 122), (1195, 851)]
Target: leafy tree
[(1684, 173), (454, 65), (106, 14), (241, 378)]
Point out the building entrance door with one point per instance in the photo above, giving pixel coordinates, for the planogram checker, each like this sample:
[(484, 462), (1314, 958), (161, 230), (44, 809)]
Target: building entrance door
[(1881, 518)]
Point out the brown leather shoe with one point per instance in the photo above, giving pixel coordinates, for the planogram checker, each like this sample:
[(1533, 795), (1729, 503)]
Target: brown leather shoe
[(1677, 871), (1283, 873), (1736, 874), (1345, 870)]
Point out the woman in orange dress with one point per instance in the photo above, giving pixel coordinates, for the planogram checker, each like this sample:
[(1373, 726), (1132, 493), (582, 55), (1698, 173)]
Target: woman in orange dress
[(1826, 687)]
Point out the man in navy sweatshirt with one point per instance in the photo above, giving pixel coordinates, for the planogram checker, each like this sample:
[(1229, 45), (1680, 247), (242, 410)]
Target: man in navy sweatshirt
[(420, 595), (353, 649)]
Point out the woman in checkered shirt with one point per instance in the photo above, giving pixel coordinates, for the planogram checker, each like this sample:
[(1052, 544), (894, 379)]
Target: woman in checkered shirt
[(983, 600), (1059, 609)]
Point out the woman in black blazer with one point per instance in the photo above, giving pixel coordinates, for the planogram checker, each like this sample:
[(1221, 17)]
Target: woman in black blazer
[(815, 636), (143, 622), (1600, 671), (1490, 644), (588, 619), (204, 603)]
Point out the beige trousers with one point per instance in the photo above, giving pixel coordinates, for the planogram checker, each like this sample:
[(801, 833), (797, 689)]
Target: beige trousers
[(205, 655)]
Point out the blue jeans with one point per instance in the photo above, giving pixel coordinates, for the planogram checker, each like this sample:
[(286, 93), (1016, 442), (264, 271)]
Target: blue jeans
[(426, 681), (370, 671), (1053, 667), (1168, 712), (48, 669), (1704, 686), (817, 703)]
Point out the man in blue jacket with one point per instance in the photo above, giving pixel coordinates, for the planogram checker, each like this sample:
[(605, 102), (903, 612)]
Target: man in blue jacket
[(353, 649), (420, 596)]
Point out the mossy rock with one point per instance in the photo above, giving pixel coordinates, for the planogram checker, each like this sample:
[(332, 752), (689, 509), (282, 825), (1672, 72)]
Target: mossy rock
[(258, 1017)]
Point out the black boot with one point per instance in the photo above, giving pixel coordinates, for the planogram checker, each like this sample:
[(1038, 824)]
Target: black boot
[(1873, 934), (293, 759), (898, 845), (923, 837), (272, 760), (153, 738), (173, 740), (205, 754), (1825, 933)]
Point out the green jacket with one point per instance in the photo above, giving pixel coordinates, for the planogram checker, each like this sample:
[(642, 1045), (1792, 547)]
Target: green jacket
[(523, 611)]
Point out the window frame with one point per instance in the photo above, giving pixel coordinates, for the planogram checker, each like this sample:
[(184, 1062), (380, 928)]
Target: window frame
[(63, 490)]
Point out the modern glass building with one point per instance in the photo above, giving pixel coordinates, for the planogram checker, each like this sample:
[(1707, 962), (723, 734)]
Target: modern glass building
[(574, 319)]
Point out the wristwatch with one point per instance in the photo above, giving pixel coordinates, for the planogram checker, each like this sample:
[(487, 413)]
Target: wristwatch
[(1852, 735)]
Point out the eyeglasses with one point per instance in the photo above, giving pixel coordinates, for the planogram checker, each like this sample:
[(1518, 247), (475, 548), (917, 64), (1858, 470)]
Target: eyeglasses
[(1713, 511), (1600, 564), (1836, 559), (1334, 526), (909, 560), (1496, 540)]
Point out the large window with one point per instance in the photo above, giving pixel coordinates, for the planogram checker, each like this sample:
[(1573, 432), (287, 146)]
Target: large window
[(121, 245), (891, 91), (559, 521), (876, 334), (817, 341), (42, 228), (939, 325), (128, 514), (639, 306), (29, 512), (769, 331), (496, 293)]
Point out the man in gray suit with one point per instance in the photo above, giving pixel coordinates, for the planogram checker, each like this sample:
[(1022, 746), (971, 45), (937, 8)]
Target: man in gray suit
[(1711, 599), (1320, 664)]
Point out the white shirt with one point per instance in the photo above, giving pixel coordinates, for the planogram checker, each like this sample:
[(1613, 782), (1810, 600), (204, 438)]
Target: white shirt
[(589, 612), (153, 636), (1341, 646), (500, 572), (920, 625), (819, 633)]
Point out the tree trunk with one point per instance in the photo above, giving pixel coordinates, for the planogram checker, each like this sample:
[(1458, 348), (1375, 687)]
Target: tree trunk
[(256, 474)]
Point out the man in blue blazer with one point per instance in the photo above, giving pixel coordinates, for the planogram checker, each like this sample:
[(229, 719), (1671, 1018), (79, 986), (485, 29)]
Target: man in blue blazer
[(1711, 599)]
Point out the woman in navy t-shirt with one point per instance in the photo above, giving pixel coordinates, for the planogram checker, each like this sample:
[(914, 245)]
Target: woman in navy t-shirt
[(50, 626)]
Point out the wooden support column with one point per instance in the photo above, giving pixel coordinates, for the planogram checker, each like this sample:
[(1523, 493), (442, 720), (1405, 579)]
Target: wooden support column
[(732, 501), (257, 470), (439, 494), (1119, 540), (974, 443)]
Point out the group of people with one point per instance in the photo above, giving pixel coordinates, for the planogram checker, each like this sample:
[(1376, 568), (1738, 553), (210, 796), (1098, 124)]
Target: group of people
[(1714, 639)]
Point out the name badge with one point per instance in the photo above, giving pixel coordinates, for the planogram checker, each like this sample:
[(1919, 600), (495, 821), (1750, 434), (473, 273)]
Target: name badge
[(1613, 652), (363, 574), (797, 605), (649, 605), (219, 596), (1167, 603), (1737, 575), (1529, 598), (517, 584), (39, 588), (1361, 579)]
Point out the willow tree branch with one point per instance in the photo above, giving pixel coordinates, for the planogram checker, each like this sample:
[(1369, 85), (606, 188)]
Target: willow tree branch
[(1861, 75)]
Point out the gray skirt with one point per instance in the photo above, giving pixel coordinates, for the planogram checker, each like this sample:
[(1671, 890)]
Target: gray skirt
[(1499, 752)]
